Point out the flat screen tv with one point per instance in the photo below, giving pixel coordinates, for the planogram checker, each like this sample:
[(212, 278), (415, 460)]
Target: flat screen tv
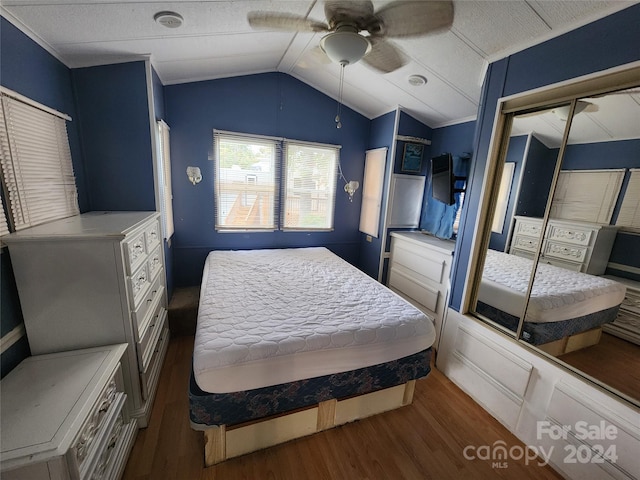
[(443, 179)]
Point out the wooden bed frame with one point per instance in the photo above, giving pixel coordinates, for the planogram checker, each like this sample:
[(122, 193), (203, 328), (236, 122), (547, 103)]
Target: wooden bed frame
[(572, 342), (227, 441)]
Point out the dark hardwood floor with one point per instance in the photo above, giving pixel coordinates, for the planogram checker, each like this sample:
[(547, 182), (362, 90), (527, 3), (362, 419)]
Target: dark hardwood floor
[(425, 440), (613, 360)]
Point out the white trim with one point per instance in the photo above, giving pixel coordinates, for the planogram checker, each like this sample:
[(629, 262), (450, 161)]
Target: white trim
[(10, 339), (623, 268), (451, 123), (152, 131), (21, 98)]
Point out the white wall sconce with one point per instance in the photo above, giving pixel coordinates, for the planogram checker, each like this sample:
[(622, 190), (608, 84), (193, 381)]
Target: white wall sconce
[(194, 174), (351, 188)]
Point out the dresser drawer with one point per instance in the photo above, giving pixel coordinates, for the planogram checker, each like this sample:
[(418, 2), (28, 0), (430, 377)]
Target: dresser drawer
[(423, 294), (576, 267), (569, 234), (148, 307), (135, 252), (145, 347), (92, 437), (565, 252), (529, 228), (152, 235), (430, 268), (154, 262), (138, 284), (149, 377), (530, 244)]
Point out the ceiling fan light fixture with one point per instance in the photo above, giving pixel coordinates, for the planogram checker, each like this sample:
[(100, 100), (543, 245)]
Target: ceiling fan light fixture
[(345, 48)]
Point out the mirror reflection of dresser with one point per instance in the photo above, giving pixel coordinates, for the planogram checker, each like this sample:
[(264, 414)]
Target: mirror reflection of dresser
[(579, 246)]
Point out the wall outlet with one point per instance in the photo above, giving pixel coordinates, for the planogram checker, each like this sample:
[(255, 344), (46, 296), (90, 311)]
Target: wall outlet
[(369, 238)]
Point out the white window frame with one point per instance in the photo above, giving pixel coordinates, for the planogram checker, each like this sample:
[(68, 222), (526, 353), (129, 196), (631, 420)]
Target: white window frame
[(278, 188), (37, 169), (321, 198), (592, 194), (164, 179)]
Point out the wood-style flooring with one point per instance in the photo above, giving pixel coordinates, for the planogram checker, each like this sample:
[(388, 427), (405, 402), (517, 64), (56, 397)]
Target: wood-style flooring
[(613, 361), (425, 440)]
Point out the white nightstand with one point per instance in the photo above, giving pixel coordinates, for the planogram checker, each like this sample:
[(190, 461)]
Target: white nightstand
[(65, 416)]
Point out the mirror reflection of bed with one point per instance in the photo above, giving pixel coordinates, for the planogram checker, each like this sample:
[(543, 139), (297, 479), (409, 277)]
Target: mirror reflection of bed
[(582, 303)]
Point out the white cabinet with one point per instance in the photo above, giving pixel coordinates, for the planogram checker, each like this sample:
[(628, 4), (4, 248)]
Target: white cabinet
[(627, 324), (97, 279), (579, 246), (419, 271), (64, 417)]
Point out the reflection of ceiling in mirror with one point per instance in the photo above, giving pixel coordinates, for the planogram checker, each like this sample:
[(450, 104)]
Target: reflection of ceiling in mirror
[(608, 118)]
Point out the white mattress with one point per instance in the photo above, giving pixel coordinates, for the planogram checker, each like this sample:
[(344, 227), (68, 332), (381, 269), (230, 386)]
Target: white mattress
[(558, 294), (268, 317)]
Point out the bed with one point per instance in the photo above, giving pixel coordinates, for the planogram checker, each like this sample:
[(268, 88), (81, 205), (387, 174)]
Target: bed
[(566, 309), (293, 341)]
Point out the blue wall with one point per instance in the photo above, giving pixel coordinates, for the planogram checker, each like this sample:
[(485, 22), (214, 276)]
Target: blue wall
[(536, 180), (382, 131), (116, 141), (271, 104), (31, 71), (603, 44)]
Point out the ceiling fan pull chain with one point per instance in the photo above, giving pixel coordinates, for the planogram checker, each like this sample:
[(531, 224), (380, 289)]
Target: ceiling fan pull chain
[(338, 122)]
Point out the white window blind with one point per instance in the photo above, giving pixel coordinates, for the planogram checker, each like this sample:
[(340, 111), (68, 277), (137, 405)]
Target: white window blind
[(503, 197), (373, 183), (587, 195), (246, 182), (310, 186), (36, 165), (4, 228), (629, 215), (164, 180)]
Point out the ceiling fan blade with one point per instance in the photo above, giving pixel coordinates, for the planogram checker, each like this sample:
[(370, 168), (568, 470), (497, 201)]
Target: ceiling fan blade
[(285, 21), (359, 12), (410, 19), (384, 56)]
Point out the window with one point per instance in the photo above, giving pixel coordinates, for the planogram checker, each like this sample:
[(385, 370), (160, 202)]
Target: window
[(164, 180), (4, 229), (586, 195), (374, 165), (36, 163), (249, 188), (310, 187), (629, 215)]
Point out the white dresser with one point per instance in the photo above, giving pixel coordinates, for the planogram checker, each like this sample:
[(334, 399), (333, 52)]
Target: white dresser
[(419, 271), (580, 246), (64, 416), (627, 324), (97, 279)]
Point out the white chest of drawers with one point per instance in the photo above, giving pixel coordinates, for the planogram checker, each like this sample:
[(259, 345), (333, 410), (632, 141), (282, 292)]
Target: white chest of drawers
[(97, 279), (419, 271), (580, 246), (64, 417), (627, 324)]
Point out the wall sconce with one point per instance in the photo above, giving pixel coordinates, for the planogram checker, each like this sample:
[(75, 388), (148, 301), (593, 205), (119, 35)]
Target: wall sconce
[(351, 188), (194, 174)]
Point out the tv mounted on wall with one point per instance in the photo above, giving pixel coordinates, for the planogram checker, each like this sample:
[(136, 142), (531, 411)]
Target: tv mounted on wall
[(443, 180)]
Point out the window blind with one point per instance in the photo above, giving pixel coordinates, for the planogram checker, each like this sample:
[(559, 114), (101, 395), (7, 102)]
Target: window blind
[(310, 186), (629, 215), (164, 177), (36, 165), (246, 182), (373, 184), (4, 228), (587, 195)]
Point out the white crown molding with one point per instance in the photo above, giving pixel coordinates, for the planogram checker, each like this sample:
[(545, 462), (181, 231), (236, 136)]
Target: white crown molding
[(457, 121), (32, 35)]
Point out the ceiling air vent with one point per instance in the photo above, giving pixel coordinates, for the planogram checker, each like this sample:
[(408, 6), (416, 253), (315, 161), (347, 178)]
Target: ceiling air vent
[(169, 19)]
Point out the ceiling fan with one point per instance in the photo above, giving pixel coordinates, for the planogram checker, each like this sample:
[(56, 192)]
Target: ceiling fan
[(356, 32)]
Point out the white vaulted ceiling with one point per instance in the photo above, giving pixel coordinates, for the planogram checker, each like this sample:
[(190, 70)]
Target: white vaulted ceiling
[(216, 41)]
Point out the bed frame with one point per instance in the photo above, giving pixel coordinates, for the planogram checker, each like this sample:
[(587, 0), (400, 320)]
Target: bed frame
[(227, 441)]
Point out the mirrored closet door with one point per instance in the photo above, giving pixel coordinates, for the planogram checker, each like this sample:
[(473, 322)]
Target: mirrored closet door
[(553, 273)]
